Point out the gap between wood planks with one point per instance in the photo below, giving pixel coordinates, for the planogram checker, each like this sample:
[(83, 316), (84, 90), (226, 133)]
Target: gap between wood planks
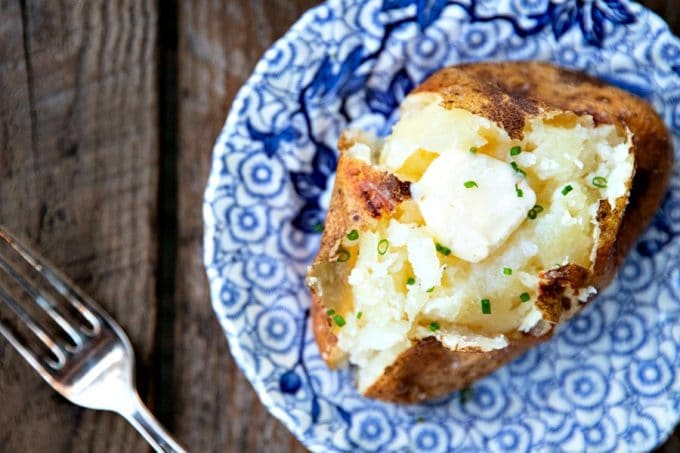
[(162, 392)]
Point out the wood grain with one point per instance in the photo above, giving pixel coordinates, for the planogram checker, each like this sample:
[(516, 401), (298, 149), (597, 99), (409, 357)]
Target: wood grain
[(78, 165), (219, 43)]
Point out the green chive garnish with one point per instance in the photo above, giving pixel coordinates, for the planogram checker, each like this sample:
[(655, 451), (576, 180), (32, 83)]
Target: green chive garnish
[(524, 297), (434, 326), (507, 271), (600, 182), (470, 184), (442, 249), (486, 306), (420, 419), (383, 245), (343, 255), (411, 281), (318, 228), (429, 290), (339, 320), (533, 212), (473, 149), (517, 169), (330, 312), (515, 150), (360, 314), (567, 189), (353, 235), (520, 192)]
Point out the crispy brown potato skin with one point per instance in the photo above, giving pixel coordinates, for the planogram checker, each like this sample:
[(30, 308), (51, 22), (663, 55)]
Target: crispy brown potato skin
[(509, 94), (360, 197), (428, 369)]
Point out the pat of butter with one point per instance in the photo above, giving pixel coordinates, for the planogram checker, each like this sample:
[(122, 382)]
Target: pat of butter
[(472, 221)]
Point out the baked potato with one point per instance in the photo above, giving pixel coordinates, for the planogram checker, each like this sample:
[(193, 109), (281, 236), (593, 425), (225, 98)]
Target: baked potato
[(504, 200)]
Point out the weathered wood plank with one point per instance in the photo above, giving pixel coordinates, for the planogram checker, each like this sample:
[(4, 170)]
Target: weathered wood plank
[(78, 177), (219, 43)]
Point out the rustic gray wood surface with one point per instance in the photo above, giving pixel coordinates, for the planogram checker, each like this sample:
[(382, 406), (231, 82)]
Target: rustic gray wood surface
[(219, 43), (79, 176), (108, 112)]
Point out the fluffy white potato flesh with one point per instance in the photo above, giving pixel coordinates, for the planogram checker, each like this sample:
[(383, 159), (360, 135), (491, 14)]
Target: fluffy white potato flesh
[(460, 261)]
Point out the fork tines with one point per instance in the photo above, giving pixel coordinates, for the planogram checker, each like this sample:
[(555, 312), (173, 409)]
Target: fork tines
[(44, 305)]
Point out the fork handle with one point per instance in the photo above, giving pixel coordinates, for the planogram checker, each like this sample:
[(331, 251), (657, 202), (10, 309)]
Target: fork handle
[(152, 431)]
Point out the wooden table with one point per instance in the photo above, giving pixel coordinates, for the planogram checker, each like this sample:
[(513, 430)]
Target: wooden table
[(108, 112)]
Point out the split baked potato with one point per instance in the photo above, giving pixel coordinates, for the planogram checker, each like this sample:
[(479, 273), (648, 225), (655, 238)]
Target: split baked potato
[(504, 200)]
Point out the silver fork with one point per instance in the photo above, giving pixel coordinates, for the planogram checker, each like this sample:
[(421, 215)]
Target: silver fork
[(94, 369)]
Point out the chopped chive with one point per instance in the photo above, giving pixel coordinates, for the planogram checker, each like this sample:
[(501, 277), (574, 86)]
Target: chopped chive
[(515, 150), (600, 182), (567, 189), (353, 235), (486, 306), (524, 297), (420, 420), (343, 255), (383, 245), (318, 228), (429, 290), (434, 326), (473, 149), (533, 212), (470, 184), (517, 169), (360, 314), (411, 281), (330, 312), (507, 271), (520, 192), (442, 249), (339, 320), (465, 395)]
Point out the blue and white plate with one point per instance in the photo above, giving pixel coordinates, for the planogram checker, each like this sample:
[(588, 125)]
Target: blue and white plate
[(609, 380)]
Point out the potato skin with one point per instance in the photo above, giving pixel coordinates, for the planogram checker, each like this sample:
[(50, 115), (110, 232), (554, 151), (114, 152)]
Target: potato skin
[(509, 94), (428, 369), (360, 197)]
